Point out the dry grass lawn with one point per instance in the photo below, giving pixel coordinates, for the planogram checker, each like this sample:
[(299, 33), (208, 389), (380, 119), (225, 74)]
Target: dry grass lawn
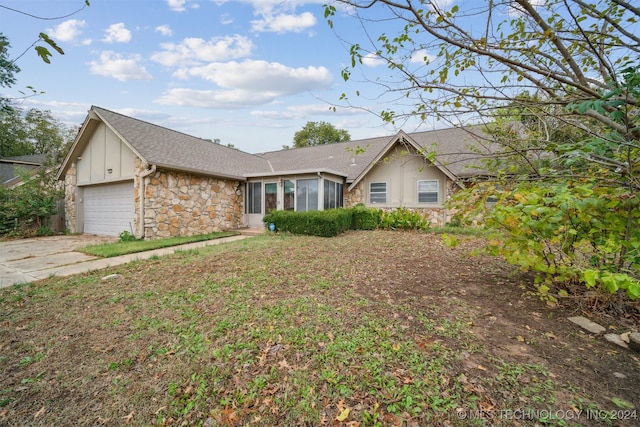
[(365, 329)]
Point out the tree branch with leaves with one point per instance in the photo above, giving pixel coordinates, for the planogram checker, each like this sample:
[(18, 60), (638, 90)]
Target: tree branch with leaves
[(558, 85)]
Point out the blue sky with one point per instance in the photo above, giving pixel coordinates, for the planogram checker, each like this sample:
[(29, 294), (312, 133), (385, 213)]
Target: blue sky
[(249, 72)]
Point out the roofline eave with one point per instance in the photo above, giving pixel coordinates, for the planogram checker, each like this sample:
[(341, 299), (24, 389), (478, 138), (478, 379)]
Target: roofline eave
[(196, 171), (295, 172)]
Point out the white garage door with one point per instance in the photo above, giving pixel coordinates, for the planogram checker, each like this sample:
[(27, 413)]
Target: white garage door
[(108, 209)]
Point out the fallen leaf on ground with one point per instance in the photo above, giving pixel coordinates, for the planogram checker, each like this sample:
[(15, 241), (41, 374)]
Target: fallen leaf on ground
[(39, 413), (343, 415)]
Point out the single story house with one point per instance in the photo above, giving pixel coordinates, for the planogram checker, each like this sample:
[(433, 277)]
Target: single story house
[(122, 173)]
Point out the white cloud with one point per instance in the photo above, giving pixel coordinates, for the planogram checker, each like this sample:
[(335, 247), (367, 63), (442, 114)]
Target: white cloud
[(283, 23), (112, 64), (226, 19), (261, 76), (245, 84), (165, 30), (421, 56), (441, 4), (290, 113), (262, 6), (195, 50), (231, 99), (304, 111), (177, 5), (372, 60), (117, 33), (66, 31)]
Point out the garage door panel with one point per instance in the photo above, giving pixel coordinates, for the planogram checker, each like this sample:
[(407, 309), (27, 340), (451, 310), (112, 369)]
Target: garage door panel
[(108, 209)]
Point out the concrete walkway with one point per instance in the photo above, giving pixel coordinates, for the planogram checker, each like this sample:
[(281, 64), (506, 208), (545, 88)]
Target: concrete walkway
[(30, 260)]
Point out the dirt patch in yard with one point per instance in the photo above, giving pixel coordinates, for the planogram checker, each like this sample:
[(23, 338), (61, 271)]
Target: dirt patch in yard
[(369, 328)]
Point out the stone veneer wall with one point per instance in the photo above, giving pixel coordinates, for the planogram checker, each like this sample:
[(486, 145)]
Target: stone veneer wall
[(70, 206), (355, 196), (181, 204)]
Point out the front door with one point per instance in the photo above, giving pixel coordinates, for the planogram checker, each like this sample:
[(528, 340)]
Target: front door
[(261, 198)]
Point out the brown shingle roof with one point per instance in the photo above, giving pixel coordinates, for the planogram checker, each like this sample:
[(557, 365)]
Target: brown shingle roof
[(170, 149), (175, 150), (460, 150)]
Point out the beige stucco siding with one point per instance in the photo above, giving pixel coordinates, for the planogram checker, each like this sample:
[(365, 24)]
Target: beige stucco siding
[(401, 169), (106, 158)]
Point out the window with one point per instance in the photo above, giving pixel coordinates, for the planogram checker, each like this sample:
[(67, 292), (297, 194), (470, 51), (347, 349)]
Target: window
[(428, 191), (289, 195), (333, 193), (378, 192), (306, 195), (270, 196), (254, 198)]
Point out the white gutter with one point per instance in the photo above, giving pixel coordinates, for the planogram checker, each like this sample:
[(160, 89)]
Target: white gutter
[(143, 175), (295, 172)]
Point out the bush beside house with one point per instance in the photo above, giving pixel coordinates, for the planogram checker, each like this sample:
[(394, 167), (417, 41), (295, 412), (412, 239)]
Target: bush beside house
[(332, 222)]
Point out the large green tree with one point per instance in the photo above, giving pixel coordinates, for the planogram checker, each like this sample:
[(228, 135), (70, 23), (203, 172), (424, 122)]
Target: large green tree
[(319, 133), (8, 69), (26, 209), (33, 132), (559, 83)]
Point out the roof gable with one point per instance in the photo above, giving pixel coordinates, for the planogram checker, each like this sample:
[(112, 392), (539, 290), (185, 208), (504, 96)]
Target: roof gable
[(167, 148), (400, 138), (458, 152)]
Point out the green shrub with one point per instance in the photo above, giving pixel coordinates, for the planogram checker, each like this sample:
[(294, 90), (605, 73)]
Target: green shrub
[(44, 231), (327, 223), (570, 233), (335, 221), (365, 218), (403, 219), (27, 208), (125, 236)]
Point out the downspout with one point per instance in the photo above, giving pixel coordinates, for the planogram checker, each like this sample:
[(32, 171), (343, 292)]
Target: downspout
[(445, 210), (143, 175)]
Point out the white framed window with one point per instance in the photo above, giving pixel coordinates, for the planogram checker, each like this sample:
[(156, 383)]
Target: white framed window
[(428, 191), (333, 194), (306, 195), (254, 198), (378, 192)]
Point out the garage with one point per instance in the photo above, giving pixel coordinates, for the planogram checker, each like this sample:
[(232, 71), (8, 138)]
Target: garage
[(108, 209)]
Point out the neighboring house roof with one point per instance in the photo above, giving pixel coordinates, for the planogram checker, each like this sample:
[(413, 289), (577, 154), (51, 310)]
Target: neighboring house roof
[(170, 149), (9, 167)]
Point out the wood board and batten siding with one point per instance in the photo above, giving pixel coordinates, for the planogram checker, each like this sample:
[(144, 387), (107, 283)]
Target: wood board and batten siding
[(405, 178), (105, 172)]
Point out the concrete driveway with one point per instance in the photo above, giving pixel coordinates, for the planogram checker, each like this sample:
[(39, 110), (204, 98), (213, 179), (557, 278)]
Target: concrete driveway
[(28, 260)]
